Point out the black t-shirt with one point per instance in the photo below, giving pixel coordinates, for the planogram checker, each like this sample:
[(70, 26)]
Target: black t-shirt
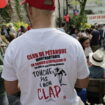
[(95, 38)]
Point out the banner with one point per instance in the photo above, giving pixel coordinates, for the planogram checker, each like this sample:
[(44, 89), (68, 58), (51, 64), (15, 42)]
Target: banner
[(97, 18)]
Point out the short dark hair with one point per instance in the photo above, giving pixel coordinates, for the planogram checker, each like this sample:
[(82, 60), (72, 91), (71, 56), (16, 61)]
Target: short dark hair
[(88, 31), (83, 39), (93, 27)]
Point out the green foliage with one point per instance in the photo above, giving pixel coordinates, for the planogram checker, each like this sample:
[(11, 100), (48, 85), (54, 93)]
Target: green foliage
[(81, 18), (4, 12), (75, 20), (74, 2), (18, 24), (18, 7), (85, 26)]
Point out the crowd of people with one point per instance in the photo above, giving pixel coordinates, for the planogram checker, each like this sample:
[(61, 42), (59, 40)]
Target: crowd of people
[(45, 64), (92, 41), (10, 33), (93, 44), (7, 34)]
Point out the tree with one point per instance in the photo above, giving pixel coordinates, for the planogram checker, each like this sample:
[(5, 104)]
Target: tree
[(5, 13), (66, 7), (80, 18), (59, 19), (82, 12), (82, 6), (82, 3), (18, 9)]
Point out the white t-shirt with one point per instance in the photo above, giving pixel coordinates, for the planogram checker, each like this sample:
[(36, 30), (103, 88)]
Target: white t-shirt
[(88, 51), (47, 63)]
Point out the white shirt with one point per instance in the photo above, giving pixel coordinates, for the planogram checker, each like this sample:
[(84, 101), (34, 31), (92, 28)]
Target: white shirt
[(88, 51), (47, 63)]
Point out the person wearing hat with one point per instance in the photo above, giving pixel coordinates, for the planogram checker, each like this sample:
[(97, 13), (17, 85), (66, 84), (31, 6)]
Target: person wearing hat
[(97, 59), (45, 63)]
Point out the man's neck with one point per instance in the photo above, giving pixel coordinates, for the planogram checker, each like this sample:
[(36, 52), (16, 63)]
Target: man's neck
[(42, 22), (36, 26)]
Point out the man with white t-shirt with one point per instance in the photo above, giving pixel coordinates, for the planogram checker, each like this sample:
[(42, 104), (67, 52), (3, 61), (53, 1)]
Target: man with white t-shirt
[(45, 63)]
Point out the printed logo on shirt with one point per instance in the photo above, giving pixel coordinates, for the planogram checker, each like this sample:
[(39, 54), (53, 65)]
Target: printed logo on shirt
[(49, 64)]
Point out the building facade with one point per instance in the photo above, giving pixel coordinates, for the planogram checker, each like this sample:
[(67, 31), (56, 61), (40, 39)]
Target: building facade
[(62, 7), (98, 7)]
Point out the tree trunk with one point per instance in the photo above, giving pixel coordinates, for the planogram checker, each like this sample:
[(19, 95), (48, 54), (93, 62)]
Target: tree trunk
[(18, 9), (82, 7), (82, 12), (67, 7), (59, 10), (29, 20)]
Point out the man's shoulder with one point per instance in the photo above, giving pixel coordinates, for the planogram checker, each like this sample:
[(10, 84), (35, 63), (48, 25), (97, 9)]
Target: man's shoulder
[(19, 39), (18, 42), (59, 35), (95, 32), (66, 36), (67, 40)]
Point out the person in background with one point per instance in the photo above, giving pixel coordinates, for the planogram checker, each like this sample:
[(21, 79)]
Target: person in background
[(4, 39), (62, 28), (4, 98), (72, 30), (11, 33), (81, 34), (75, 35), (4, 31), (97, 71), (85, 42), (12, 30), (97, 59), (21, 31), (45, 64), (102, 36), (95, 41), (3, 45), (88, 33)]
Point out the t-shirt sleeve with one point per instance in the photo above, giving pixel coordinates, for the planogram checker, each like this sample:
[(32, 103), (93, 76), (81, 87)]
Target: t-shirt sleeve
[(9, 72), (82, 67)]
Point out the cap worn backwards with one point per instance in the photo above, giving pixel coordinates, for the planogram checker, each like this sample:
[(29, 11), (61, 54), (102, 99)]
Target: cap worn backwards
[(41, 4)]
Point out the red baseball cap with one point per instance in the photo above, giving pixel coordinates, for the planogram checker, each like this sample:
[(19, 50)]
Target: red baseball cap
[(41, 4)]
